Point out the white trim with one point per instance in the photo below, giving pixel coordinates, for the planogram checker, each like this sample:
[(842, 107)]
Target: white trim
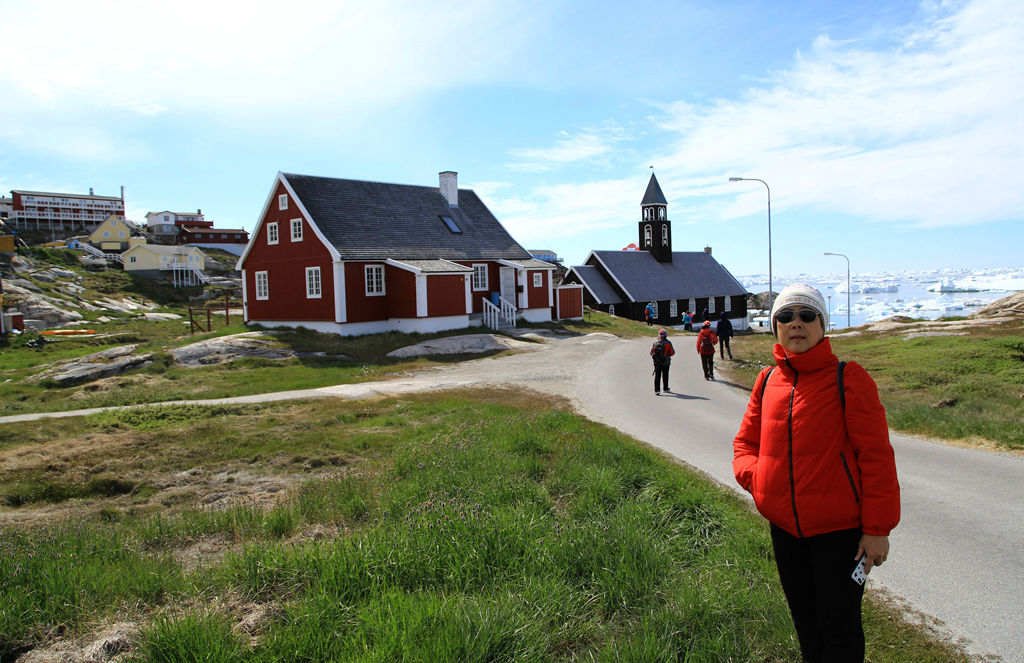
[(487, 276), (469, 292), (312, 293), (266, 285), (366, 280), (422, 304), (293, 226), (340, 298), (408, 325), (272, 225), (538, 276), (245, 299), (536, 314)]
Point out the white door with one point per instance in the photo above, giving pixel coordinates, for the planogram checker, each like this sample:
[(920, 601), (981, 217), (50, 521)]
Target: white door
[(508, 284)]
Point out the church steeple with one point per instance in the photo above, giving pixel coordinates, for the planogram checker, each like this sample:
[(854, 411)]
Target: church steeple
[(655, 228)]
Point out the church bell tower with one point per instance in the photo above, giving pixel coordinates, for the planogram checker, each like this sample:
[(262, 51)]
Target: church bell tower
[(655, 228)]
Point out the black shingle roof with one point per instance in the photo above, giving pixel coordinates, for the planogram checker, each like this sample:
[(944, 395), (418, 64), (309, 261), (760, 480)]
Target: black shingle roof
[(375, 221), (690, 274), (599, 288), (653, 195)]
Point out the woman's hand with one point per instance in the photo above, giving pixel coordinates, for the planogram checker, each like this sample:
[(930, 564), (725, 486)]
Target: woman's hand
[(875, 547)]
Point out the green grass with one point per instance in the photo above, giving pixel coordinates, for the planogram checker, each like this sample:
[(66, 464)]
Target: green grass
[(966, 388), (458, 528)]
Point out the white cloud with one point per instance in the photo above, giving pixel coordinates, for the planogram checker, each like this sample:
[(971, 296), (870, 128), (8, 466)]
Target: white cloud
[(590, 145), (929, 132)]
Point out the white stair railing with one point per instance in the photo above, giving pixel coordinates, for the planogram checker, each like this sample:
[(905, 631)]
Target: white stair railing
[(508, 311), (92, 250), (113, 257), (492, 315)]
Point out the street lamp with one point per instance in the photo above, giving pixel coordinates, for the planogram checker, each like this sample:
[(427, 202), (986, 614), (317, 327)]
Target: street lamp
[(754, 179), (847, 285)]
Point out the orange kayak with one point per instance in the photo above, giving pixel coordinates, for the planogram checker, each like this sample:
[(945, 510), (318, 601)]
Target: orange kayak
[(67, 332)]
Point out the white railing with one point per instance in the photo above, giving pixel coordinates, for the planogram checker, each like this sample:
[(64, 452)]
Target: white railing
[(184, 274), (508, 311), (92, 250), (492, 315), (113, 257)]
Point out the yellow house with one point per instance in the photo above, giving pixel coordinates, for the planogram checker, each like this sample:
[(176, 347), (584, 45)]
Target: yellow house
[(111, 235), (148, 257)]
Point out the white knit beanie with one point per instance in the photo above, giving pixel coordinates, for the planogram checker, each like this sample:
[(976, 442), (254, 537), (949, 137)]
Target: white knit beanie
[(803, 295)]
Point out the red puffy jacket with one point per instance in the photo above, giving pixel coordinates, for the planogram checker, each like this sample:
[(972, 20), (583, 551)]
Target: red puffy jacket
[(809, 468)]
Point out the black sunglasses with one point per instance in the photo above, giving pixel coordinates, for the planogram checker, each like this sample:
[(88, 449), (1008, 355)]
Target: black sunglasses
[(806, 316)]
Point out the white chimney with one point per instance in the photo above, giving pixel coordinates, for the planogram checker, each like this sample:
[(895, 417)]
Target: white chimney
[(450, 187)]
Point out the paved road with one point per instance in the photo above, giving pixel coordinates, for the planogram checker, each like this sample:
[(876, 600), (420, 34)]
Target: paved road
[(958, 553)]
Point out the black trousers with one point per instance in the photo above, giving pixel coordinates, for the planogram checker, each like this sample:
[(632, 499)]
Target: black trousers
[(662, 373), (824, 600), (723, 346), (707, 362)]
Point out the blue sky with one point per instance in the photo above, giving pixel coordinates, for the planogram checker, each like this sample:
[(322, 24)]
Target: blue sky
[(889, 131)]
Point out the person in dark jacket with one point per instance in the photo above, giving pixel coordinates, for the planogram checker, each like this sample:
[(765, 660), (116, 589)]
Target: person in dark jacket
[(813, 451), (662, 352), (724, 332)]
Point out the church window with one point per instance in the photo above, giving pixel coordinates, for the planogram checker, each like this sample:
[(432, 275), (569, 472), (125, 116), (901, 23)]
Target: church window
[(611, 309), (654, 307), (664, 235), (661, 213), (647, 235), (711, 304), (692, 306), (728, 304), (673, 308)]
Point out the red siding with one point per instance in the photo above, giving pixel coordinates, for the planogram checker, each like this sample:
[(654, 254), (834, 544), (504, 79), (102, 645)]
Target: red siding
[(446, 295), (537, 297), (362, 308), (493, 283), (570, 303), (285, 264), (400, 285)]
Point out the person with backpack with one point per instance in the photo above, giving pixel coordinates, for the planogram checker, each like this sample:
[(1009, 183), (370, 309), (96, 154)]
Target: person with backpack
[(687, 321), (813, 451), (661, 353), (724, 332), (649, 313), (706, 340)]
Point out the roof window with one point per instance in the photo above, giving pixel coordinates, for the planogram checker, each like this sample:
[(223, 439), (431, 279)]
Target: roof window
[(452, 226)]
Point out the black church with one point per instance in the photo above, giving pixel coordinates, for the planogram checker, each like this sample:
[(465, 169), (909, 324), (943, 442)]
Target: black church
[(622, 283)]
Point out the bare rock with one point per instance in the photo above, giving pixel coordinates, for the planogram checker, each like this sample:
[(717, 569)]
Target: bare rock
[(467, 344), (229, 348), (103, 364)]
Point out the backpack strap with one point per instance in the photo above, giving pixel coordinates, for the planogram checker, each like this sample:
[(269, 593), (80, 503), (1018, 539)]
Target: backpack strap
[(764, 383), (839, 378)]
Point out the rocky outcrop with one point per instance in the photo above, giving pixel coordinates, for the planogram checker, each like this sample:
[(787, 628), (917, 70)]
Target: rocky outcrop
[(229, 348), (457, 345), (95, 366)]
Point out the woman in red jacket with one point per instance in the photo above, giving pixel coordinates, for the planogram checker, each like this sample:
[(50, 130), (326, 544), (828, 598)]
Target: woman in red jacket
[(820, 468)]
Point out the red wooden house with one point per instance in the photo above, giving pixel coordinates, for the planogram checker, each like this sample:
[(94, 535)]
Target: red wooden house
[(354, 257)]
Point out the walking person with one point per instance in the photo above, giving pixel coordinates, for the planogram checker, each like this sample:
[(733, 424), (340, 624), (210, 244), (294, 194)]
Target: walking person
[(649, 313), (687, 321), (661, 353), (813, 451), (724, 332), (706, 340)]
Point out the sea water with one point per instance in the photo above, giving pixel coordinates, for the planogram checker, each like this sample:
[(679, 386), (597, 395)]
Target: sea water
[(925, 295)]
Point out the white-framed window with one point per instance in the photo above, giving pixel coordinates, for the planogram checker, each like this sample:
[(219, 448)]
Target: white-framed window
[(661, 213), (611, 309), (282, 201), (479, 277), (120, 234), (312, 283), (647, 235), (538, 280), (262, 285), (664, 235), (728, 304), (167, 217), (374, 280), (106, 233), (711, 304), (654, 307), (296, 230), (691, 306), (673, 308), (272, 232), (131, 259)]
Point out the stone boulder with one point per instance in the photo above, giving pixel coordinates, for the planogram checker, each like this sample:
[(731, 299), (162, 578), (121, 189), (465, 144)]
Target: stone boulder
[(467, 344), (228, 348), (102, 364)]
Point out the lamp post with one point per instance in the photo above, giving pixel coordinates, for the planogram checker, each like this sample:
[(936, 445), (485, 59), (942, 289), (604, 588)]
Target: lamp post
[(771, 295), (847, 285)]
